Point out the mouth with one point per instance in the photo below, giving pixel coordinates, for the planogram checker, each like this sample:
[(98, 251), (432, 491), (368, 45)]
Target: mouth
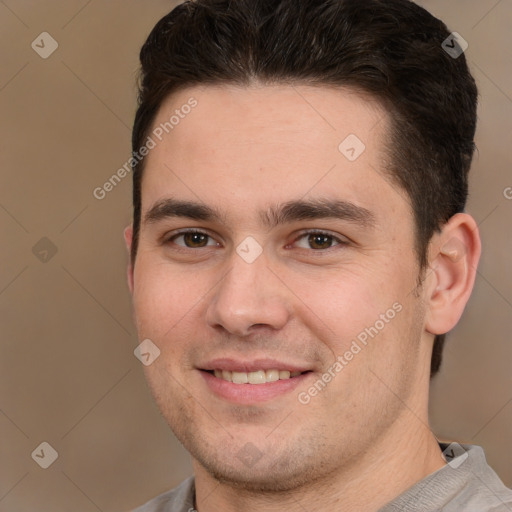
[(255, 377), (253, 381)]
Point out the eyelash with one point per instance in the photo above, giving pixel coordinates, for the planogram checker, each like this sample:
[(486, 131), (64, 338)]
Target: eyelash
[(306, 233)]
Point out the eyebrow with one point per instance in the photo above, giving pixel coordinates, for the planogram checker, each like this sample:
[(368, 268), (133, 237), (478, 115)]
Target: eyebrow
[(275, 215)]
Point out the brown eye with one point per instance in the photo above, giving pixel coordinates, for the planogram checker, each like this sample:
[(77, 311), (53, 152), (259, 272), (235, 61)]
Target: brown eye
[(195, 239), (319, 241), (192, 239)]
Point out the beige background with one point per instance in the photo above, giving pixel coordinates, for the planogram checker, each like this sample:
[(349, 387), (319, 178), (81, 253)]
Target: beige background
[(68, 373)]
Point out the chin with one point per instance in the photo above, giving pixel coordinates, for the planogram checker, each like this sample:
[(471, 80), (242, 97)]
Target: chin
[(284, 464), (267, 480), (268, 472)]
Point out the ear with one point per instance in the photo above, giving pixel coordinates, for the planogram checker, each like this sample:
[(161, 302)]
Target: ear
[(128, 239), (453, 254)]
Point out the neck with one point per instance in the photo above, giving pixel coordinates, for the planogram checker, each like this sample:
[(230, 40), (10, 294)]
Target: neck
[(382, 472)]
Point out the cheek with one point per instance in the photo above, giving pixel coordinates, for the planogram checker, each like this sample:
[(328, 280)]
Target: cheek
[(348, 300), (163, 297), (363, 312), (165, 302)]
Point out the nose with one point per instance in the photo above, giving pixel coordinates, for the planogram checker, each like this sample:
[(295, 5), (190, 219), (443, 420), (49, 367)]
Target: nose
[(249, 297)]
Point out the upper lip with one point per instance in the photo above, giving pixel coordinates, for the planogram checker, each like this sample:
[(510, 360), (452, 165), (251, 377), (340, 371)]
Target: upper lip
[(253, 365)]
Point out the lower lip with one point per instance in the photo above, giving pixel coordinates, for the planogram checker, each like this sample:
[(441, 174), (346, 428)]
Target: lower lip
[(251, 393)]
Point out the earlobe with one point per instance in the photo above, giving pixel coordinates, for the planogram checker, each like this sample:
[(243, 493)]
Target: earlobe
[(128, 239), (454, 256)]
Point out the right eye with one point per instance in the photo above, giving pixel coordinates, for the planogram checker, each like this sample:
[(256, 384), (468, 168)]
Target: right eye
[(192, 239)]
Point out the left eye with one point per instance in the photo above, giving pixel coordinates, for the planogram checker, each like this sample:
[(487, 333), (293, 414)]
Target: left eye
[(317, 241)]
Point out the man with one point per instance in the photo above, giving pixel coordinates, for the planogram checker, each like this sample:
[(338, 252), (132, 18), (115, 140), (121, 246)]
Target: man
[(299, 248)]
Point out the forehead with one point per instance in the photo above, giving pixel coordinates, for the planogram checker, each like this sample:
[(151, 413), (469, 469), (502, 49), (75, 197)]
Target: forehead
[(267, 144), (313, 117)]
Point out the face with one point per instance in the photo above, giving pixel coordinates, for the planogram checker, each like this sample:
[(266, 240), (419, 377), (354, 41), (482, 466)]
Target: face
[(276, 273)]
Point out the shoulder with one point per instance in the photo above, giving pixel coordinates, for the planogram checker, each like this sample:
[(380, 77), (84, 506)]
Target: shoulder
[(179, 499), (465, 483), (483, 489)]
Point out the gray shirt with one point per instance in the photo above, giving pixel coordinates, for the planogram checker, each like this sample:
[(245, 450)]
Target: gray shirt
[(467, 483)]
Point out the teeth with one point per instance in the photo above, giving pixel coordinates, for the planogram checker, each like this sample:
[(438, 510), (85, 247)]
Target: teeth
[(239, 377), (258, 377), (272, 375)]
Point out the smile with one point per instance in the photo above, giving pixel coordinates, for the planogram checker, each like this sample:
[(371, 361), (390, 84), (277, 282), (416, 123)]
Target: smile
[(255, 377)]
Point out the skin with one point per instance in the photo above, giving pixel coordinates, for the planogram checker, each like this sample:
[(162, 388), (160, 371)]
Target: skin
[(364, 438)]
